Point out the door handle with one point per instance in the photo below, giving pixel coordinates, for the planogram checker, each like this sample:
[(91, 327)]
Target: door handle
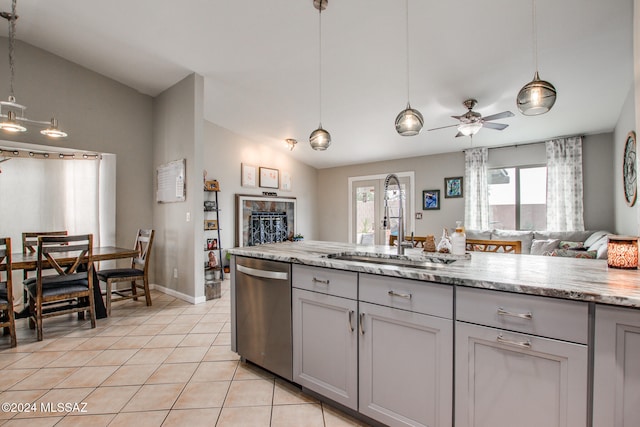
[(350, 320), (398, 294), (360, 323), (522, 344), (503, 312)]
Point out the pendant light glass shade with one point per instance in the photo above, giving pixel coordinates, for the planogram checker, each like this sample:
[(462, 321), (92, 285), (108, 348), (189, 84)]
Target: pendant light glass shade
[(536, 97), (320, 139), (409, 122)]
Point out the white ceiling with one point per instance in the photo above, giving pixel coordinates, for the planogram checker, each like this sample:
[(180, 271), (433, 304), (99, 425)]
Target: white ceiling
[(260, 64)]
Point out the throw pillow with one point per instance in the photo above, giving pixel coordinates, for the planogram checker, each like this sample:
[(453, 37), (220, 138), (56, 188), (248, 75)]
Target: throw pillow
[(571, 245), (574, 254), (595, 237), (544, 247)]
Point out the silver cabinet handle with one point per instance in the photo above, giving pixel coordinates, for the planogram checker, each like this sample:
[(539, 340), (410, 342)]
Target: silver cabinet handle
[(398, 294), (523, 344), (360, 324), (322, 282), (503, 312), (350, 320)]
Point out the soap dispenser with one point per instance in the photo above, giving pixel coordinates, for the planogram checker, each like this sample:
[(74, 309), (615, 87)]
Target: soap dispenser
[(458, 240)]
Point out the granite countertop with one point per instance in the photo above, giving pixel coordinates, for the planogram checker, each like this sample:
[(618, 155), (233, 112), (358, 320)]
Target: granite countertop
[(568, 278)]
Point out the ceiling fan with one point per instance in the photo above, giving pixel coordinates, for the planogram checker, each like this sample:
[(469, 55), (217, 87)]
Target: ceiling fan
[(471, 122)]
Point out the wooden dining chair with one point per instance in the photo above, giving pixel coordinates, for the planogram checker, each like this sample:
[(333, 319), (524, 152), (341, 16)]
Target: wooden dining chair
[(70, 288), (501, 246), (30, 244), (7, 318), (137, 275)]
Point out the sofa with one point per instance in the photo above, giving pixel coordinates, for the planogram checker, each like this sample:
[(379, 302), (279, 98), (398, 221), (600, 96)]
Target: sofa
[(575, 244)]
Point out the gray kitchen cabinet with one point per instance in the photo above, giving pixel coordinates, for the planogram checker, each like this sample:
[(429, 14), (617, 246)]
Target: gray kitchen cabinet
[(325, 352), (616, 385), (406, 354), (506, 375)]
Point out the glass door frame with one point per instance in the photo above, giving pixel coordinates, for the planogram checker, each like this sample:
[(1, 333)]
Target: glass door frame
[(411, 206)]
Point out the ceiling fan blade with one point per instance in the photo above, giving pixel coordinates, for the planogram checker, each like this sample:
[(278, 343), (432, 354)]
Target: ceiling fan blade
[(442, 127), (458, 117), (459, 134), (502, 115), (496, 126)]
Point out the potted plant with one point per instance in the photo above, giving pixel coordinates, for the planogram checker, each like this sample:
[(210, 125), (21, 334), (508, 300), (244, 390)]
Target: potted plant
[(298, 237)]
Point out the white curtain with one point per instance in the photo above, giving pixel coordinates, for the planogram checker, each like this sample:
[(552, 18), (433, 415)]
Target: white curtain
[(564, 185), (476, 193)]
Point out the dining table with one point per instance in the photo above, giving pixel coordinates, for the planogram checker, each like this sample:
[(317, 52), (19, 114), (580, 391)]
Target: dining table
[(29, 261)]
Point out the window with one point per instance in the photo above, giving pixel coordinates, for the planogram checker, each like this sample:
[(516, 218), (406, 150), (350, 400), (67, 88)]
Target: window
[(518, 198)]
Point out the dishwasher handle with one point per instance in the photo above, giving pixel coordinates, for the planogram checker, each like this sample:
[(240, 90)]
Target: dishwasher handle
[(266, 274)]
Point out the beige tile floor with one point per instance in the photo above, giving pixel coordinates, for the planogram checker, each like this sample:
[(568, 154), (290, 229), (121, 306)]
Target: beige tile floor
[(165, 365)]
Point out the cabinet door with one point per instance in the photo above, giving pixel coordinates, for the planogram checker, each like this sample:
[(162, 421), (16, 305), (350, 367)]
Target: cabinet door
[(406, 368), (508, 379), (616, 385), (325, 349)]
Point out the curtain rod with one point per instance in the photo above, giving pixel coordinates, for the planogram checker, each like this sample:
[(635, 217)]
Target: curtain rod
[(527, 143), (35, 154)]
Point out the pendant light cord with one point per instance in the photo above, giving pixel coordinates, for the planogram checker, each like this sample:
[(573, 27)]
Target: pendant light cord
[(535, 34), (407, 45), (12, 33), (320, 63)]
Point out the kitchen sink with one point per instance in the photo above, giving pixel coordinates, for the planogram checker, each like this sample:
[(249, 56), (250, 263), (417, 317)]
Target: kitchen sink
[(423, 261)]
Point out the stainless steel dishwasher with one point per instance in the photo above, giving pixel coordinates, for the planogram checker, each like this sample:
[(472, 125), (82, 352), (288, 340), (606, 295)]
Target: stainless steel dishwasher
[(263, 314)]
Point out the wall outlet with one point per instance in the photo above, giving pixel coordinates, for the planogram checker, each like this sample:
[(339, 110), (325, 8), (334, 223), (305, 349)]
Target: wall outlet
[(175, 273), (188, 216)]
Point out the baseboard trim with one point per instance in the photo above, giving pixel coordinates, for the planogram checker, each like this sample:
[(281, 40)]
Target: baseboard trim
[(179, 295)]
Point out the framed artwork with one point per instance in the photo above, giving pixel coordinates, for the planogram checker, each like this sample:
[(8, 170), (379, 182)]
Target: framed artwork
[(629, 171), (248, 175), (210, 224), (212, 244), (269, 178), (212, 185), (430, 200), (285, 182), (453, 187)]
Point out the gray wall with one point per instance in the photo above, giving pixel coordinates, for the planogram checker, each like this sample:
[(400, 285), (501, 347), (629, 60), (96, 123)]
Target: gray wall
[(430, 171), (625, 216), (178, 123), (224, 152), (99, 114)]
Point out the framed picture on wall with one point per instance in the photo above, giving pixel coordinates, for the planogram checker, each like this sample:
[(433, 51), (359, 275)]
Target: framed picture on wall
[(269, 178), (430, 200), (453, 187), (248, 175)]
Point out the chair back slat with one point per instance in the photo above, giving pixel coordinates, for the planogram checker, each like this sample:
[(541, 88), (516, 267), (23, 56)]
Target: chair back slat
[(5, 256), (143, 243), (30, 239), (53, 249)]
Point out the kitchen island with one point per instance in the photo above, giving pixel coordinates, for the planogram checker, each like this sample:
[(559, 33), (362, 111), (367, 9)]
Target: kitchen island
[(537, 337)]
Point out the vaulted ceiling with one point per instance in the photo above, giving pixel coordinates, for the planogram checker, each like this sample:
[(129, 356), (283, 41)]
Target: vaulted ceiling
[(259, 60)]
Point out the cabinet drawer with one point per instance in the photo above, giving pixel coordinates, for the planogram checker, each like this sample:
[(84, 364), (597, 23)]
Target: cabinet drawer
[(547, 317), (325, 280), (421, 297)]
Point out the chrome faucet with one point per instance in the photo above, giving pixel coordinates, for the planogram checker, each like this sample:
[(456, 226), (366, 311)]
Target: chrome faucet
[(386, 220)]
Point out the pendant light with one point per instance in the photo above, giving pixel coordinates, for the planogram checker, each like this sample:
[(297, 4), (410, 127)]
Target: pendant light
[(320, 139), (409, 122), (537, 96), (10, 121)]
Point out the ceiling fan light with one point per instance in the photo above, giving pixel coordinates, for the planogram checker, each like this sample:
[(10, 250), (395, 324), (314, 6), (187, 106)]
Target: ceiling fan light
[(536, 97), (469, 129), (320, 139), (52, 131), (409, 122), (11, 125)]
